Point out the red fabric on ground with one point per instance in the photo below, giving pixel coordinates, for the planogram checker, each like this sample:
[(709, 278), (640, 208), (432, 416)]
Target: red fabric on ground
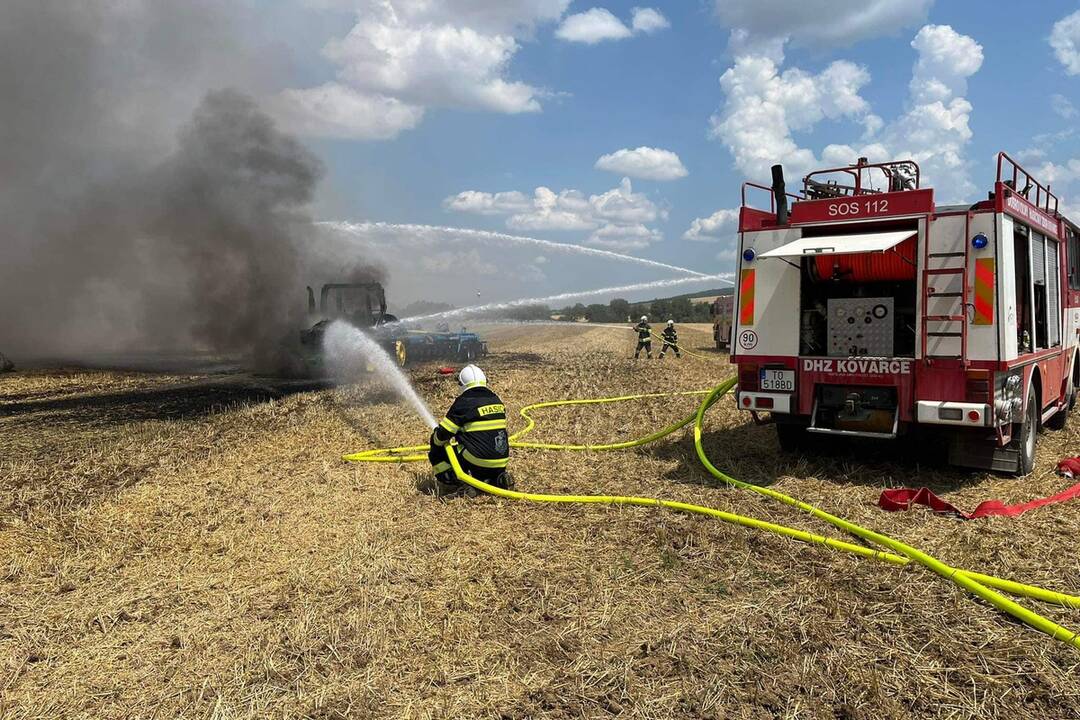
[(896, 499), (1069, 467)]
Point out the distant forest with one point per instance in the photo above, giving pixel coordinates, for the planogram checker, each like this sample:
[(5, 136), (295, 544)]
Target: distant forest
[(680, 309)]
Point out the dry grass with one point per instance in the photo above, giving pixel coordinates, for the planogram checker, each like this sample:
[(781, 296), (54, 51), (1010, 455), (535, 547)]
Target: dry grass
[(193, 547)]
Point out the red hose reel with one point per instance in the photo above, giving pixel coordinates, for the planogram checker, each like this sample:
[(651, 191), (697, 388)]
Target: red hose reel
[(893, 265)]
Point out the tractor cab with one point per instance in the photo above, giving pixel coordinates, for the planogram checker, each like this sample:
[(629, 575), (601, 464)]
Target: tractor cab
[(361, 304)]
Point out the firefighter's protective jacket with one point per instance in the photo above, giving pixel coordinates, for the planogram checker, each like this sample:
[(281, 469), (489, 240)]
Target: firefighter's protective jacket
[(670, 335), (644, 332), (478, 420)]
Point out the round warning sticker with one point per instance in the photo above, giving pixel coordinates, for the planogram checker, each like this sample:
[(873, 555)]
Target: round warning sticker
[(748, 339)]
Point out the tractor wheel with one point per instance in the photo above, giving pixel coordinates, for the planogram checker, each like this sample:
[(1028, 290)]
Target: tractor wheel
[(401, 352)]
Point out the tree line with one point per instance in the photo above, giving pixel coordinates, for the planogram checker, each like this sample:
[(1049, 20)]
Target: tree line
[(681, 310)]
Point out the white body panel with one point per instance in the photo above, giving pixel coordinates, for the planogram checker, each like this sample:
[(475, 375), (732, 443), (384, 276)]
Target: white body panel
[(775, 329), (929, 411), (840, 244), (983, 339), (1006, 295)]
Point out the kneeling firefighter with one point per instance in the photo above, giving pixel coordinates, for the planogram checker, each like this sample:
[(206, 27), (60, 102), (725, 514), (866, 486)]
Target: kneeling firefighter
[(477, 419)]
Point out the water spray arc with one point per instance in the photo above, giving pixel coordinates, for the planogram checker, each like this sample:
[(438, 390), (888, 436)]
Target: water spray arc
[(573, 295), (348, 353), (440, 233)]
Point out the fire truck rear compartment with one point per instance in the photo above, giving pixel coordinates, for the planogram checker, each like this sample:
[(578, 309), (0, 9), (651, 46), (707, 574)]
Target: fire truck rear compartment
[(856, 409), (846, 312), (859, 305)]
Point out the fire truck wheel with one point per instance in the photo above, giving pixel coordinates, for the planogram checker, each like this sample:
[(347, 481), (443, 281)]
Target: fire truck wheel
[(1057, 422), (792, 436), (1029, 433)]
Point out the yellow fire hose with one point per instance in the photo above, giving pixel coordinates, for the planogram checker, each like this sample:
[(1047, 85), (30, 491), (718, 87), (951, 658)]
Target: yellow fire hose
[(978, 584)]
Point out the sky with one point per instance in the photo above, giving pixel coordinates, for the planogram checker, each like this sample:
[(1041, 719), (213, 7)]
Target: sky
[(630, 126)]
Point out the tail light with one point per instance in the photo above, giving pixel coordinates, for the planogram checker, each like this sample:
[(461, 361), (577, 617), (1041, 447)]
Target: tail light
[(977, 386), (748, 377)]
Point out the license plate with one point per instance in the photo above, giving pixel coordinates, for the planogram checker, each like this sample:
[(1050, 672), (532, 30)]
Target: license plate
[(778, 380)]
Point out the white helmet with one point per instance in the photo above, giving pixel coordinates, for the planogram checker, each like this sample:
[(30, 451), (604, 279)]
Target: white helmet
[(471, 375), (644, 318), (670, 322)]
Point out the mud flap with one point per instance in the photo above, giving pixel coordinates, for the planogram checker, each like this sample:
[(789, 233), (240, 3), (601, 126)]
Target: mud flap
[(974, 450)]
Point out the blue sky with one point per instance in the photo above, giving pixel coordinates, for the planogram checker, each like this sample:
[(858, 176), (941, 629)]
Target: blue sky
[(508, 97)]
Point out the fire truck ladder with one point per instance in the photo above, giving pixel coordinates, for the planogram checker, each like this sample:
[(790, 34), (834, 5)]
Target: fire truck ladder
[(953, 324)]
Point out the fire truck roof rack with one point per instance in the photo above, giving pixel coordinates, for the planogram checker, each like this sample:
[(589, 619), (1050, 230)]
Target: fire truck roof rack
[(1014, 174), (772, 198), (899, 175)]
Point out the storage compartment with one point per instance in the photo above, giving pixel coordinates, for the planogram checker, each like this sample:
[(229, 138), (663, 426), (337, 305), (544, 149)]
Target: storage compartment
[(864, 410), (860, 305)]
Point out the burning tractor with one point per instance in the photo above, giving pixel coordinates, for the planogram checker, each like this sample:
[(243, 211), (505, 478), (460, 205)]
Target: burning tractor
[(363, 305), (867, 309)]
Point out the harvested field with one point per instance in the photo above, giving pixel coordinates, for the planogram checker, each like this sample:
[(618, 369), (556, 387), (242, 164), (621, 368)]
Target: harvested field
[(192, 546)]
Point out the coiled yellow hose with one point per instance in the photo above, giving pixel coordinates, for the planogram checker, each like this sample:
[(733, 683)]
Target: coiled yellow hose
[(978, 584)]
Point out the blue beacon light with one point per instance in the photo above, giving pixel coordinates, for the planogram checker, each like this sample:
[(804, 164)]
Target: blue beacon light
[(749, 255), (979, 241)]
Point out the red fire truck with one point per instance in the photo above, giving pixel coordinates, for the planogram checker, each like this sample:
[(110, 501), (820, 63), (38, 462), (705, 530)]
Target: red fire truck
[(721, 311), (865, 309)]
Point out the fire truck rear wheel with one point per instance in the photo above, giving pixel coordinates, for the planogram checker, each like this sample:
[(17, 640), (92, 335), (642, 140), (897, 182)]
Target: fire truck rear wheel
[(1029, 434), (1057, 422), (791, 436)]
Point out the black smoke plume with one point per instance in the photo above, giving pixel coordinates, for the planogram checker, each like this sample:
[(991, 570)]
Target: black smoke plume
[(141, 208)]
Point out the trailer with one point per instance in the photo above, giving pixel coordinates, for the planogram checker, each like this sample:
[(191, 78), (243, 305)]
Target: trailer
[(865, 310)]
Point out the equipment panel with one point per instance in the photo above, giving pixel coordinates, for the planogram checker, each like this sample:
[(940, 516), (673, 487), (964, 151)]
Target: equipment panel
[(860, 327)]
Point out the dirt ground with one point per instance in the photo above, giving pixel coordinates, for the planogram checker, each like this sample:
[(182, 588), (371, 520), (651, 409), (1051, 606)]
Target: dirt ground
[(193, 546)]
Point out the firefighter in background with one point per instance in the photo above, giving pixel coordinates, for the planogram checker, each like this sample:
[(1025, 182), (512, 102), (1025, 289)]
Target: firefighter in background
[(644, 337), (477, 420), (671, 339)]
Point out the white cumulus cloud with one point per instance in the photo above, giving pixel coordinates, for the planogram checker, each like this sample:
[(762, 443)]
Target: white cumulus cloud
[(1065, 40), (338, 111), (1062, 106), (619, 218), (624, 237), (935, 131), (403, 56), (648, 20), (565, 210), (721, 226), (816, 23), (643, 162), (764, 108), (599, 24), (592, 26), (483, 203), (946, 60)]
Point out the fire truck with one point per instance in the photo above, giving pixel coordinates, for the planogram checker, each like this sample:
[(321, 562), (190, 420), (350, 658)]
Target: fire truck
[(721, 311), (864, 310)]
